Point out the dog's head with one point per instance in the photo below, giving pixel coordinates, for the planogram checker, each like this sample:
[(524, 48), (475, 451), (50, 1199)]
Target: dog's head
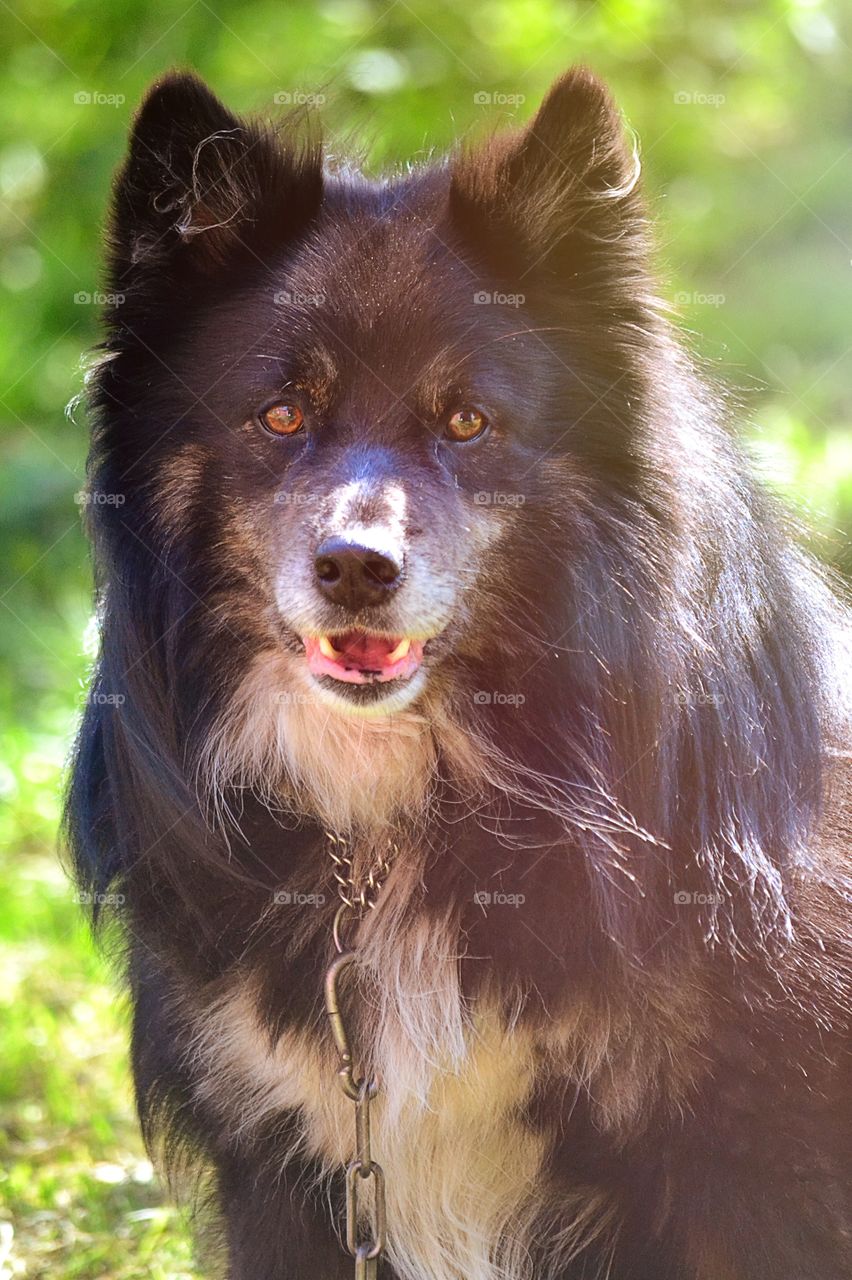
[(424, 448), (360, 409)]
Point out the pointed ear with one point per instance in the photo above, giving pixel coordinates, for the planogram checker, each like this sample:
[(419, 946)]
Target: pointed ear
[(560, 196), (201, 187)]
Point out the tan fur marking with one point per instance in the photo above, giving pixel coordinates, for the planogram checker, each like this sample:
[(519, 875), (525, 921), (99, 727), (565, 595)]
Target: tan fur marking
[(627, 1056), (464, 1173), (278, 737), (178, 487)]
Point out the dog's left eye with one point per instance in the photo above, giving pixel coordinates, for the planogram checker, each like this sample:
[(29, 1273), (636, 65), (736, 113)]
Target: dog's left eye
[(283, 419), (466, 424)]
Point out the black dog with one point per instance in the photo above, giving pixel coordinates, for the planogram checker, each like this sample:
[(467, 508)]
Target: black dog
[(439, 586)]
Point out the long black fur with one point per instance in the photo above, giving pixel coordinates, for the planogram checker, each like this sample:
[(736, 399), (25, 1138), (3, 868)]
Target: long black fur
[(680, 664)]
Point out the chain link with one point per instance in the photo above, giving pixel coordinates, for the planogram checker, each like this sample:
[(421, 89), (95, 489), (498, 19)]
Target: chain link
[(355, 899), (351, 895)]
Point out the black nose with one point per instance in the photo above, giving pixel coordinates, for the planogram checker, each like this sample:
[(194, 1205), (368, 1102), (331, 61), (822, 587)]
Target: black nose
[(354, 576)]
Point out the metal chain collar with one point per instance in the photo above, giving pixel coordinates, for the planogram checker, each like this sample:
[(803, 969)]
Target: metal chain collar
[(355, 899)]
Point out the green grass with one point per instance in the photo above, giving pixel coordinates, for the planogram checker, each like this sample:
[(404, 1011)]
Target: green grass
[(78, 1196)]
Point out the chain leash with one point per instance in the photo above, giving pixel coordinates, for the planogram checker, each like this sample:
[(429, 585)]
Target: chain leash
[(355, 899)]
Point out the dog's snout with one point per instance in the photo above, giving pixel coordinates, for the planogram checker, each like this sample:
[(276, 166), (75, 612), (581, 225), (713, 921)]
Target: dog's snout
[(355, 576)]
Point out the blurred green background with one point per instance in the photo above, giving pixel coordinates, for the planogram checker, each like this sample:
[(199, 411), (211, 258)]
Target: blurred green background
[(745, 119)]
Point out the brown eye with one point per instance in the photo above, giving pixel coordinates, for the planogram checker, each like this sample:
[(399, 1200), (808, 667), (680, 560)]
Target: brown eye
[(283, 419), (466, 424)]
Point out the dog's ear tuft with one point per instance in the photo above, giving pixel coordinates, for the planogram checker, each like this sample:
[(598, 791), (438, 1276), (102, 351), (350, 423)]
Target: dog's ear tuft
[(201, 187), (555, 193)]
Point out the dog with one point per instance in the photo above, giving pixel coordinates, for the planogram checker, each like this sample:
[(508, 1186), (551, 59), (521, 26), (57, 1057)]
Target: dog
[(480, 763)]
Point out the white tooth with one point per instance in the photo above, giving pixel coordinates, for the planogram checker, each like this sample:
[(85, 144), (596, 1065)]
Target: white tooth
[(399, 652), (327, 649)]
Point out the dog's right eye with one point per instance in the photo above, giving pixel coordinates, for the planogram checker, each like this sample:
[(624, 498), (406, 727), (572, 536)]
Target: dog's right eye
[(283, 419)]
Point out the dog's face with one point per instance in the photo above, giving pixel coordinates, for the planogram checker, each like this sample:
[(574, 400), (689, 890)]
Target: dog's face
[(359, 398), (375, 436)]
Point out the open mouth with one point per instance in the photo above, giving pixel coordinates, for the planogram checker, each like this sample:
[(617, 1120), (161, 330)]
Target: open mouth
[(361, 657)]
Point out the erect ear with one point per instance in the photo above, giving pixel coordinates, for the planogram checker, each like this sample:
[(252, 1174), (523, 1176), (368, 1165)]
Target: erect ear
[(559, 195), (201, 187)]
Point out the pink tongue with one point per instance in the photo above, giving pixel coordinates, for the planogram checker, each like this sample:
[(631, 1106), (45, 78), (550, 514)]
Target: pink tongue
[(360, 650), (362, 659)]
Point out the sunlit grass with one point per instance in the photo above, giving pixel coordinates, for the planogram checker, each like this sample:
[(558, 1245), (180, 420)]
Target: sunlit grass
[(78, 1197)]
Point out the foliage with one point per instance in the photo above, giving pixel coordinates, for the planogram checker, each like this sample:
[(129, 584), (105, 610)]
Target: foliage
[(743, 114)]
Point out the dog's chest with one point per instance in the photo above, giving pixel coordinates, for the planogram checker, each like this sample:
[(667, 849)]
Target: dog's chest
[(464, 1169)]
